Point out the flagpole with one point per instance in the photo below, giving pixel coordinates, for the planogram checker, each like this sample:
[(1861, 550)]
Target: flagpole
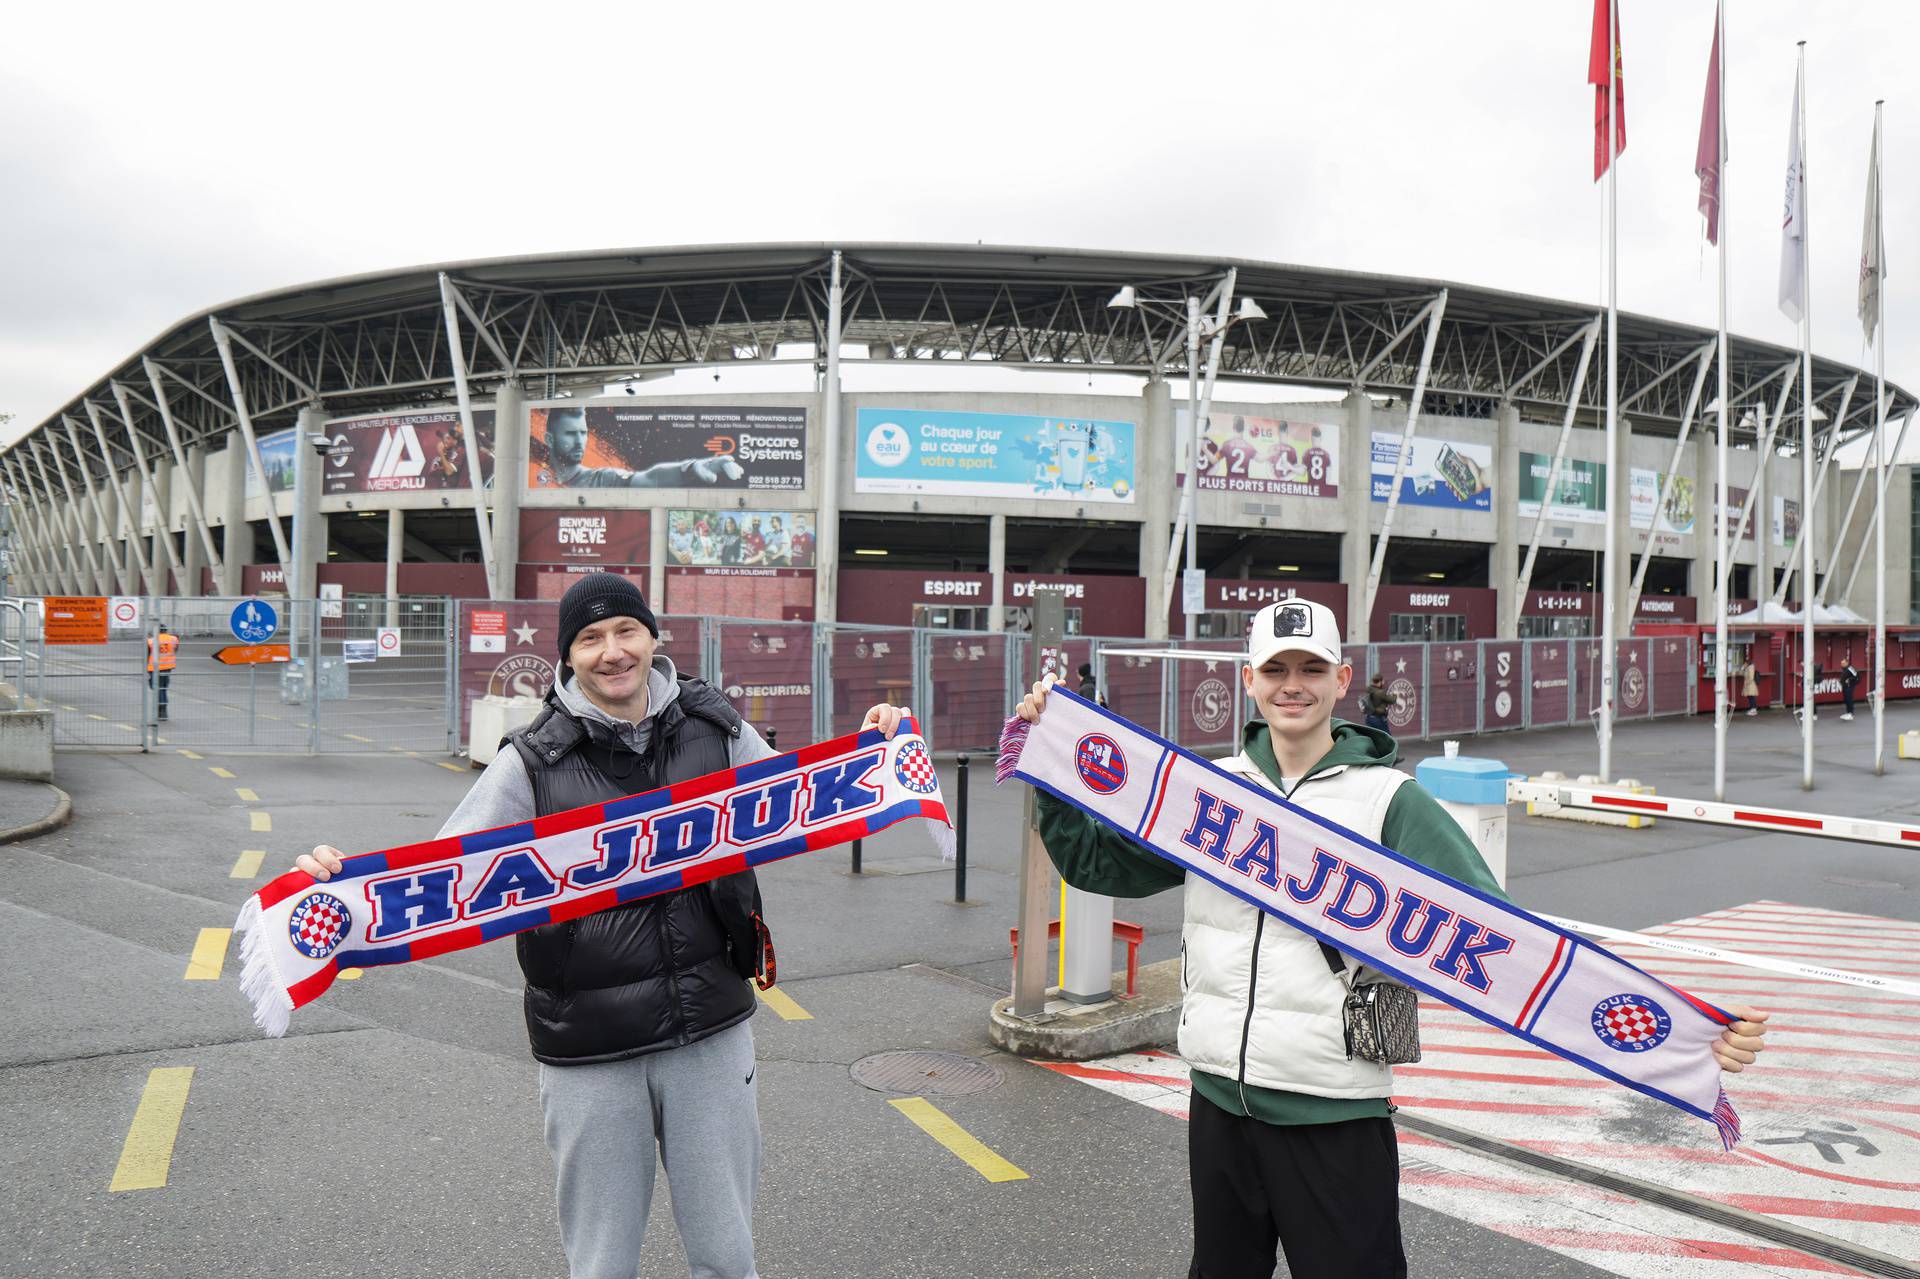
[(1721, 551), (1613, 375), (1806, 445), (1879, 468)]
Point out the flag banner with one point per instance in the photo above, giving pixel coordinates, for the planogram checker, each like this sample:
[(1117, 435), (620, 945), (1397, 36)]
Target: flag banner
[(427, 899), (1873, 245), (1706, 152), (1600, 70), (1793, 218), (1489, 959)]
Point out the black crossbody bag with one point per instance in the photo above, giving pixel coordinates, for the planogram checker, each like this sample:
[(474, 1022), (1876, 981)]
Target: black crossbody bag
[(1381, 1018)]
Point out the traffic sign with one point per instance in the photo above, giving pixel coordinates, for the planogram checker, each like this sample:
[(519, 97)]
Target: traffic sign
[(254, 621), (251, 654), (387, 641), (74, 619), (124, 610)]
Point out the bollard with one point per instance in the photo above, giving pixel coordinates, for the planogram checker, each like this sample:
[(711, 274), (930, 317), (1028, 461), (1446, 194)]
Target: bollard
[(773, 738), (960, 832), (856, 857)]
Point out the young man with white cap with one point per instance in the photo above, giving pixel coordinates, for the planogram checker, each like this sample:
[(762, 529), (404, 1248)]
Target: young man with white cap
[(1289, 1140)]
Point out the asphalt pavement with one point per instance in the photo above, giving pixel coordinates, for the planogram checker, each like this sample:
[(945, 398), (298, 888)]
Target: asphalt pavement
[(395, 1131)]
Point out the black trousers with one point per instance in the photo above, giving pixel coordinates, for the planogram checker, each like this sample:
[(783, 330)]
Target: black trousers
[(1326, 1194)]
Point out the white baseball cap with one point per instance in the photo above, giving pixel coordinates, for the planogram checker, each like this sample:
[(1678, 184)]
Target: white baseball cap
[(1293, 625)]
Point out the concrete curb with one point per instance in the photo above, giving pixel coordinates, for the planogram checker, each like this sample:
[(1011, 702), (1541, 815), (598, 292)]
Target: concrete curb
[(1069, 1033), (62, 814)]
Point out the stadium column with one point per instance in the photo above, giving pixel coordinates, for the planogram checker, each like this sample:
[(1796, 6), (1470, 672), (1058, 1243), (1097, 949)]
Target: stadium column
[(165, 564), (1761, 524), (396, 551), (310, 530), (828, 451), (236, 547), (657, 561), (997, 569), (1356, 502), (1700, 581), (194, 561), (1620, 491), (1156, 496), (509, 462), (1506, 521)]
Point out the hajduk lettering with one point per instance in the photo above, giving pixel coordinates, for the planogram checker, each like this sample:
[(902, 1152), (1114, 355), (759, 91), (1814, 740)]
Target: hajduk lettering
[(1484, 956), (443, 895)]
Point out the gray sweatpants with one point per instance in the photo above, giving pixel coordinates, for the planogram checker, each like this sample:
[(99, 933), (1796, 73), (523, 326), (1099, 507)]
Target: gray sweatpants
[(698, 1105)]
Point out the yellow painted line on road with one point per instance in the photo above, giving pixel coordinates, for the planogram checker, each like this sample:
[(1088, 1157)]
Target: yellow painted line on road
[(218, 771), (452, 768), (125, 728), (101, 718), (247, 865), (209, 954), (355, 737), (262, 823), (189, 754), (65, 707), (247, 793), (781, 1002), (264, 715), (351, 974), (933, 1121), (148, 1153)]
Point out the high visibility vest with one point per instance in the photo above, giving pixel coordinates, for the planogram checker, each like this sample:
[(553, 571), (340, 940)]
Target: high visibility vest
[(169, 649)]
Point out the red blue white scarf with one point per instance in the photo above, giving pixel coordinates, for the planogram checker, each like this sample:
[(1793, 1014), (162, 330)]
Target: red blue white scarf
[(1488, 958), (443, 895)]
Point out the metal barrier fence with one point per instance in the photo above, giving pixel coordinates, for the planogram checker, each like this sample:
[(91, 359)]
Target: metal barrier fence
[(799, 681)]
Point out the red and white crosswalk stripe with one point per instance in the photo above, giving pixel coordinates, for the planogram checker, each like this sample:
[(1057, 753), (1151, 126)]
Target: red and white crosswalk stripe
[(1831, 1113)]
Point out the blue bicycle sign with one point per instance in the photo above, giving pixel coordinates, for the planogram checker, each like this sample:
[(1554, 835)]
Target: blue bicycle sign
[(254, 621)]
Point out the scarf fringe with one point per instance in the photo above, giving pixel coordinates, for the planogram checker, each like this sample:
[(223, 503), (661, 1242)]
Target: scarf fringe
[(943, 839), (272, 1006), (1013, 740), (1727, 1121)]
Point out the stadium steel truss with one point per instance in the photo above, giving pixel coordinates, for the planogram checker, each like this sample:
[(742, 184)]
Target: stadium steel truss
[(388, 340)]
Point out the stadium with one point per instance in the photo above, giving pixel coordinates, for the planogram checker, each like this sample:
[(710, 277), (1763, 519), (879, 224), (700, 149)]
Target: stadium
[(919, 436)]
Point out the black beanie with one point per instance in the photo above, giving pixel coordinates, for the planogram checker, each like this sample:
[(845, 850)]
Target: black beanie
[(597, 596)]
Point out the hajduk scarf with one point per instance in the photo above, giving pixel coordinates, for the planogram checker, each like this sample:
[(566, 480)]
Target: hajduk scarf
[(1489, 959), (443, 895)]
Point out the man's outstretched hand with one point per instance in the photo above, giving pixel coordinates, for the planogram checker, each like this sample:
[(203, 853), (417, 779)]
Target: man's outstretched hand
[(323, 863), (885, 717), (1741, 1042)]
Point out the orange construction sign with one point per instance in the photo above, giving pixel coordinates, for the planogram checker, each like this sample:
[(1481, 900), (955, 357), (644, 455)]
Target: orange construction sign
[(251, 654), (75, 619)]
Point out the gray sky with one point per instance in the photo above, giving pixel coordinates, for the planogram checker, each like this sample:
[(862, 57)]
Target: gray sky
[(162, 159)]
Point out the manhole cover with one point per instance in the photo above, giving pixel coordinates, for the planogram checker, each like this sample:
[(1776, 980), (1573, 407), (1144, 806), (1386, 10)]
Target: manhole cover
[(925, 1073)]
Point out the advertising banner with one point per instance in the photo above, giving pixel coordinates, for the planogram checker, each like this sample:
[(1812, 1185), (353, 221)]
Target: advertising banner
[(1670, 522), (1730, 511), (276, 454), (569, 536), (406, 453), (1451, 474), (656, 446), (1581, 496), (994, 455), (1264, 456), (746, 539), (1786, 521)]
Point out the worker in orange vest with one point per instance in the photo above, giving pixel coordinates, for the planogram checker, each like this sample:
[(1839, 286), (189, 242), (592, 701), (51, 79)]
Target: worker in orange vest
[(163, 651)]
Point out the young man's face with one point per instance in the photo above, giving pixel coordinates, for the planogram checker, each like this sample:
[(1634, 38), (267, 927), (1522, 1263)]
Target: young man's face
[(611, 658), (568, 440), (1297, 691)]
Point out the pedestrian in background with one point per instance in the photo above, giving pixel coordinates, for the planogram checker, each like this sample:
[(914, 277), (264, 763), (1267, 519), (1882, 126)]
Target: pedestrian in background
[(163, 654), (1377, 701), (1750, 685)]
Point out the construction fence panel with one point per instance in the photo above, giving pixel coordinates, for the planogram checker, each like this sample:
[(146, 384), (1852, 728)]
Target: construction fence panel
[(766, 669), (1453, 690), (970, 696), (1549, 691)]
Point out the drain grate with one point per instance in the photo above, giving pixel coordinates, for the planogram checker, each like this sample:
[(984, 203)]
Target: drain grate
[(924, 1073)]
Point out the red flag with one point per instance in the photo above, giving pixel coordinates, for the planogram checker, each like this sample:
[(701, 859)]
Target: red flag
[(1597, 69), (1706, 154)]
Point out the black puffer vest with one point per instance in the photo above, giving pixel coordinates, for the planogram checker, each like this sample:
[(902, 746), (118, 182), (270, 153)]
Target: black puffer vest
[(657, 973)]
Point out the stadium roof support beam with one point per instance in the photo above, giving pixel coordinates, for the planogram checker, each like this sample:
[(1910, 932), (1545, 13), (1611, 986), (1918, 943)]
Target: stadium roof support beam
[(184, 471), (1393, 343), (71, 510), (1765, 450), (480, 326), (1886, 478), (162, 518), (223, 340), (129, 512), (1435, 312), (105, 527), (1589, 336), (457, 352), (1705, 359), (24, 494), (1812, 504), (1546, 361)]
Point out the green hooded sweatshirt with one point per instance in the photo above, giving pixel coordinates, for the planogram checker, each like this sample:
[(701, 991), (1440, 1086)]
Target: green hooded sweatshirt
[(1096, 859)]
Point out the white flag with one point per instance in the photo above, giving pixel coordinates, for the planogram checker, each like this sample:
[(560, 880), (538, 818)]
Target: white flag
[(1793, 220), (1873, 248)]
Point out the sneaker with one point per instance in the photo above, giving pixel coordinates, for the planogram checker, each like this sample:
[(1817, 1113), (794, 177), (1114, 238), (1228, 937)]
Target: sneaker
[(1847, 717), (1751, 711)]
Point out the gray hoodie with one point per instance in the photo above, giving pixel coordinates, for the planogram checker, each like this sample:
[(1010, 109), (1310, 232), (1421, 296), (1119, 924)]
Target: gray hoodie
[(504, 793)]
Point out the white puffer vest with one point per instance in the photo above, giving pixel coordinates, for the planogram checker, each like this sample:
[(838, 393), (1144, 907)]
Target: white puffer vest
[(1261, 1004)]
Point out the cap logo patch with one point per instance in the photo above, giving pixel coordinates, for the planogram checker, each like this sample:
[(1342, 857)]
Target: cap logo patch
[(598, 608), (1292, 619)]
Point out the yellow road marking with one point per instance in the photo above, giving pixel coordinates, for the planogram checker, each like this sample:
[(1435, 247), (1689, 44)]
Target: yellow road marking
[(91, 715), (148, 1152), (218, 771), (355, 737), (262, 822), (781, 1002), (209, 953), (264, 715), (125, 728), (161, 740), (247, 793), (965, 1146), (248, 863), (189, 754), (351, 974), (65, 707), (452, 768)]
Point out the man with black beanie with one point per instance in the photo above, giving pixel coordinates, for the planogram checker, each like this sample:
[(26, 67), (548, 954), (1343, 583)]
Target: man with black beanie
[(638, 1014)]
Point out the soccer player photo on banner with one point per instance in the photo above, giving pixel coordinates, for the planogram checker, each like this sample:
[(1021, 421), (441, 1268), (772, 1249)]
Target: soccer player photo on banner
[(665, 446)]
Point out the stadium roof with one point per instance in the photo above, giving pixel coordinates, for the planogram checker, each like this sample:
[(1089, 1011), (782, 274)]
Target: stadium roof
[(380, 340)]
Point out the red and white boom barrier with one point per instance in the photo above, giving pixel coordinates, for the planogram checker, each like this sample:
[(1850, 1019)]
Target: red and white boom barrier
[(1521, 790)]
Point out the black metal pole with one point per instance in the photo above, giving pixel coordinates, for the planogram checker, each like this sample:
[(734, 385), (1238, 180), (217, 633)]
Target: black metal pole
[(960, 833), (773, 738), (856, 857)]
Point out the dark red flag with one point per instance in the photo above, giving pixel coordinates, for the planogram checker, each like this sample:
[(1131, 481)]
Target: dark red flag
[(1597, 68), (1706, 154)]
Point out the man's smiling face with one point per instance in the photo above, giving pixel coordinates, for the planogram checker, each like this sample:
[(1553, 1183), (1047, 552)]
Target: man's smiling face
[(1296, 691), (610, 661)]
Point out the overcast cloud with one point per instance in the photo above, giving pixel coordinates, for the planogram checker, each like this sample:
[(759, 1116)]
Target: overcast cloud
[(162, 159)]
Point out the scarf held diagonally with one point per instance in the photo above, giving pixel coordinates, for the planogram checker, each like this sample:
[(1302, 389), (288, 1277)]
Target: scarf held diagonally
[(1490, 959), (443, 895)]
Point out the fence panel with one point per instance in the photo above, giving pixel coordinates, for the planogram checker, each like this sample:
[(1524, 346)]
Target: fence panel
[(1208, 700), (1672, 674), (1502, 685), (98, 692), (373, 699), (1453, 689), (1549, 690), (766, 671), (971, 699), (1404, 666), (1132, 685)]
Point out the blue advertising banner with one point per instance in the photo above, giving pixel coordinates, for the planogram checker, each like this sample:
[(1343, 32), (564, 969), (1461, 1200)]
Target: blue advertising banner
[(1451, 474), (994, 455), (276, 451)]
